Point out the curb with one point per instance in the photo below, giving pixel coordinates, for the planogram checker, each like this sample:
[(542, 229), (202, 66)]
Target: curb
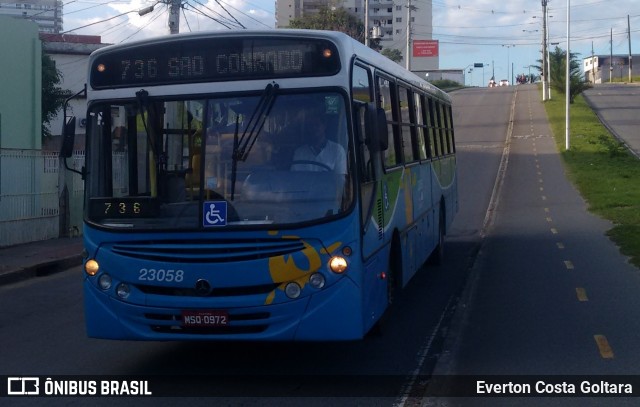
[(40, 269)]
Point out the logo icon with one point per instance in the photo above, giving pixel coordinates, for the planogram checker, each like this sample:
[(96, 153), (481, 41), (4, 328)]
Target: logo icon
[(202, 287), (214, 213), (23, 386)]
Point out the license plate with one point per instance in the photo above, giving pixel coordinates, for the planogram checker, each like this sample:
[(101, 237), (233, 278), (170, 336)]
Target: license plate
[(205, 318)]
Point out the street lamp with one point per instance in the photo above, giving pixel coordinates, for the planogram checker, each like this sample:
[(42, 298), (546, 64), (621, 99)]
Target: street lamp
[(529, 77), (464, 76), (508, 63)]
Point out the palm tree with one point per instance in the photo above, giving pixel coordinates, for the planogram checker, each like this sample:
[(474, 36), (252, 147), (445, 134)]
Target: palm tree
[(558, 61)]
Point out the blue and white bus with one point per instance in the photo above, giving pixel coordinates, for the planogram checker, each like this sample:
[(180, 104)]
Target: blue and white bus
[(258, 185)]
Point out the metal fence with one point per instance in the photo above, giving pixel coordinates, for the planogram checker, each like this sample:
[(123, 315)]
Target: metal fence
[(29, 196)]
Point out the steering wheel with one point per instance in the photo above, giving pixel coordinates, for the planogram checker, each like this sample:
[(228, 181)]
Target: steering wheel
[(310, 162)]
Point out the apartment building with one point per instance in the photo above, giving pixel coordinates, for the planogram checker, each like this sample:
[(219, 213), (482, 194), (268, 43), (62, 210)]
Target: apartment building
[(390, 18), (47, 14)]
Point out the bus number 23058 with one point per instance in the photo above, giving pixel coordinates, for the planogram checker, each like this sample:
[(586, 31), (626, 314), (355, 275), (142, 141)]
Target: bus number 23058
[(161, 275)]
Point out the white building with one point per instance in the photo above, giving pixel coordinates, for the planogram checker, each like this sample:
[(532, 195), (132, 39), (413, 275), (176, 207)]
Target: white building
[(390, 18), (46, 13), (608, 68), (71, 55)]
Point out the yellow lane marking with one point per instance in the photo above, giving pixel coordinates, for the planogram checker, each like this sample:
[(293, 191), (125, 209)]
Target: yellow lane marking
[(581, 294), (560, 245), (546, 210), (554, 231), (549, 219), (603, 346), (568, 265)]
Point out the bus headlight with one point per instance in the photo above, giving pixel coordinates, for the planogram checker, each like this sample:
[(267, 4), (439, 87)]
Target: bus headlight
[(104, 281), (91, 267), (316, 280), (292, 290), (123, 291), (338, 264)]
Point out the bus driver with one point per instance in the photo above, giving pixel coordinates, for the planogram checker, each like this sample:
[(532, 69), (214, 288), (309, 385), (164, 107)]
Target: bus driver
[(319, 153)]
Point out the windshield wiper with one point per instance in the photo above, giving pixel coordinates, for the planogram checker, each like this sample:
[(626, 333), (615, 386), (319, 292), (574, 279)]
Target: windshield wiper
[(242, 146)]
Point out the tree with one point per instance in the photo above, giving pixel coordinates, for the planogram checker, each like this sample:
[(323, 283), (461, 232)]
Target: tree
[(558, 62), (52, 95), (335, 19), (393, 54)]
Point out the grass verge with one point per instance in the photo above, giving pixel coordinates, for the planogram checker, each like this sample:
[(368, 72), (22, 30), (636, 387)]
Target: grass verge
[(605, 173)]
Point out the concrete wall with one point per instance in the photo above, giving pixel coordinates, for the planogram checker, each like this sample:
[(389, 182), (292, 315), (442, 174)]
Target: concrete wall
[(20, 84)]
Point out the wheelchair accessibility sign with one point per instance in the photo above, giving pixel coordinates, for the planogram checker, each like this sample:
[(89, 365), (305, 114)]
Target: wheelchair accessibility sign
[(214, 213)]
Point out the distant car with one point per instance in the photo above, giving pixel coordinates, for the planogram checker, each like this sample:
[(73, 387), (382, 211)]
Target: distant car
[(504, 82)]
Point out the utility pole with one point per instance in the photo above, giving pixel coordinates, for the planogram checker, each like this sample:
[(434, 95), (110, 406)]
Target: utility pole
[(408, 56), (593, 64), (630, 57), (611, 56), (545, 71), (366, 22), (174, 16), (568, 79)]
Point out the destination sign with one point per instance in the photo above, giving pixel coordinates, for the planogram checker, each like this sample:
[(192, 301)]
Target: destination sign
[(189, 60), (124, 207)]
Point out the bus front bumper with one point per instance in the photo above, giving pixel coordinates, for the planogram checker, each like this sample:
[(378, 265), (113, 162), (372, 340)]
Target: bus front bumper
[(331, 314)]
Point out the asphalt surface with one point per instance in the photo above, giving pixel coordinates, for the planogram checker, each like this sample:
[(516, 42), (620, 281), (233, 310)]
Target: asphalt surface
[(618, 105)]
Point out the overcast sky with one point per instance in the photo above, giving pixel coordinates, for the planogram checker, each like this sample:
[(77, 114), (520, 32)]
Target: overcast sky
[(499, 34)]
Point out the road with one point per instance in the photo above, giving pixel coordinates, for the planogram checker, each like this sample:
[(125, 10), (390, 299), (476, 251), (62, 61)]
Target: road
[(549, 293), (618, 105), (504, 302)]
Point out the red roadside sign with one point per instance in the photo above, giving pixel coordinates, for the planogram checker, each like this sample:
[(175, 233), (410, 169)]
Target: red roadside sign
[(425, 48)]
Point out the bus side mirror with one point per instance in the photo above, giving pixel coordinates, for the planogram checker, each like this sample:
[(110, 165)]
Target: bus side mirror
[(376, 128), (68, 137)]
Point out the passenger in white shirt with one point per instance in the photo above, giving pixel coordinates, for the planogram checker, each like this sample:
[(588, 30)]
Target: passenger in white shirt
[(319, 153)]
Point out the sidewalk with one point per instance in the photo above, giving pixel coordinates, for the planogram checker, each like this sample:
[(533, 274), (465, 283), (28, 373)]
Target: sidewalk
[(41, 258)]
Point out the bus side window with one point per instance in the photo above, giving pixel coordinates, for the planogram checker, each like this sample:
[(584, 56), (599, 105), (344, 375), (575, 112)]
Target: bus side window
[(405, 117), (388, 100), (361, 90), (440, 109), (431, 122), (421, 131)]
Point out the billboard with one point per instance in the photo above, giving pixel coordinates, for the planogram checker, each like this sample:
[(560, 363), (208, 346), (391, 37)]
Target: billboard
[(425, 48)]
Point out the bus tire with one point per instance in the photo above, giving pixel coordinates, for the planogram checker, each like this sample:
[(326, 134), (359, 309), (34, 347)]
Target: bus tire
[(394, 271), (394, 276)]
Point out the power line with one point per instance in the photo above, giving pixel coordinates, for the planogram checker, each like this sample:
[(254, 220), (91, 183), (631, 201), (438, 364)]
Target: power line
[(225, 19), (158, 14), (198, 11), (100, 22), (245, 14), (231, 15)]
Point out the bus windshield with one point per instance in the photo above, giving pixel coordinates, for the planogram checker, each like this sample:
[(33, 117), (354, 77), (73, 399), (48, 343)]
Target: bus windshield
[(260, 159)]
